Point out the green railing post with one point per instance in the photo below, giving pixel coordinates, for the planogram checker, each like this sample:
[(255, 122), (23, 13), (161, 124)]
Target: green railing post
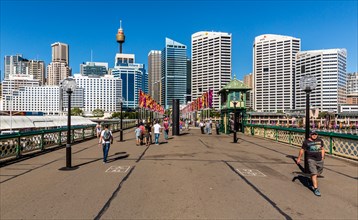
[(330, 144), (264, 132), (18, 147), (276, 134), (59, 141), (290, 137), (42, 140), (83, 133), (93, 129)]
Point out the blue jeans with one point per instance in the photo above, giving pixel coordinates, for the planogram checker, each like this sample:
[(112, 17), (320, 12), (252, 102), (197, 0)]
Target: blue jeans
[(166, 132), (105, 147), (156, 136)]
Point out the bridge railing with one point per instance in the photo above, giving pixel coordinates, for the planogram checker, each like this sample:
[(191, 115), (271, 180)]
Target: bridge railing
[(344, 145), (16, 145)]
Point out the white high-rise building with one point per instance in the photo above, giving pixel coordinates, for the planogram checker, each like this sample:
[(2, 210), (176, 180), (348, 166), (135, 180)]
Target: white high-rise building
[(100, 92), (274, 72), (210, 63), (154, 74), (329, 68)]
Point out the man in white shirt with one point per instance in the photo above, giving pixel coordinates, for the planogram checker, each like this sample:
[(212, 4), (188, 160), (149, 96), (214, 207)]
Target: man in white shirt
[(157, 129)]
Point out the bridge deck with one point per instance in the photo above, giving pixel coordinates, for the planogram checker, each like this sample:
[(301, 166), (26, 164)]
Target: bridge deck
[(194, 176)]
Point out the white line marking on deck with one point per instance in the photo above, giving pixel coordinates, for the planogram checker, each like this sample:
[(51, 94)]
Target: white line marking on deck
[(249, 172), (118, 169)]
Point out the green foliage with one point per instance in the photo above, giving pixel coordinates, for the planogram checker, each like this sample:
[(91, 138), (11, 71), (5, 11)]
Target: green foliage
[(76, 111), (98, 113)]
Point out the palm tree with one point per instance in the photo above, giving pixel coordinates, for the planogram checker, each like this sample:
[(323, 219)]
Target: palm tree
[(76, 111), (98, 112)]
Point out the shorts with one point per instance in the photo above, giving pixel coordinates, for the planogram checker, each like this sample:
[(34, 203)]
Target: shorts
[(315, 167), (137, 137)]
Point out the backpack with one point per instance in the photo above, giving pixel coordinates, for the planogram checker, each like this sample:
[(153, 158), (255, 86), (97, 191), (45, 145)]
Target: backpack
[(107, 136)]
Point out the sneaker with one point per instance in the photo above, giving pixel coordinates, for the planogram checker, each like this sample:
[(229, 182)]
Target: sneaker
[(317, 192)]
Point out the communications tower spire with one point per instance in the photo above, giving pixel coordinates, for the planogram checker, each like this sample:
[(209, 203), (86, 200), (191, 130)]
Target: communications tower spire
[(120, 36)]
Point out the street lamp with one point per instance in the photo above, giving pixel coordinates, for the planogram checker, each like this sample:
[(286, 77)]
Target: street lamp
[(234, 102), (68, 85), (307, 84), (121, 99)]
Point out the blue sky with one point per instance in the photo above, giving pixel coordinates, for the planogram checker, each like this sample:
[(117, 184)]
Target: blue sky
[(30, 27)]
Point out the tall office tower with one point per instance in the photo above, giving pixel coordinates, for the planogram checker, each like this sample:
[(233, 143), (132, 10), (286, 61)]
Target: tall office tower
[(37, 69), (100, 92), (133, 77), (154, 74), (59, 68), (274, 72), (14, 65), (248, 80), (352, 88), (94, 69), (173, 76), (211, 63), (60, 52), (56, 72), (329, 68), (188, 81)]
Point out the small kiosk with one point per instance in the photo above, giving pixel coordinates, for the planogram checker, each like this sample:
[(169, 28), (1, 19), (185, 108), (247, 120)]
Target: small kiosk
[(233, 106)]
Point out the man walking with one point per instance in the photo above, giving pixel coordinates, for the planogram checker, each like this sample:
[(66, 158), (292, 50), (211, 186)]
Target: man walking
[(315, 156), (166, 129), (157, 129), (106, 139)]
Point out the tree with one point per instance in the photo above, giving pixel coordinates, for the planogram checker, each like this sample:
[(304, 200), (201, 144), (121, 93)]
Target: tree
[(116, 115), (76, 111), (98, 113)]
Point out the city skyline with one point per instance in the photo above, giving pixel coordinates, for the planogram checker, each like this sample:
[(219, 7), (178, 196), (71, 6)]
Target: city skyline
[(319, 25)]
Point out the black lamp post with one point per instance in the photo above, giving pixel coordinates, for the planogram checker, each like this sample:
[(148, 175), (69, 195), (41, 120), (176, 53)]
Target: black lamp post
[(68, 85), (121, 131), (235, 128), (307, 84)]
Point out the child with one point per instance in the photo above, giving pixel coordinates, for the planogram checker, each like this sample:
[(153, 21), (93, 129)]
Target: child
[(138, 133)]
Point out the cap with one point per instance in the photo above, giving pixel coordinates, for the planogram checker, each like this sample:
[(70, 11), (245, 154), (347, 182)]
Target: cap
[(313, 132)]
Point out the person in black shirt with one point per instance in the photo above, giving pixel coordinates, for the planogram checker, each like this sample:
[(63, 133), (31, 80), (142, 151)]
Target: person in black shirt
[(315, 156)]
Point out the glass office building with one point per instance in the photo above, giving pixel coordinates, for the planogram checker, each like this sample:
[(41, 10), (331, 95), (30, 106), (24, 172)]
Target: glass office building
[(134, 78), (174, 73)]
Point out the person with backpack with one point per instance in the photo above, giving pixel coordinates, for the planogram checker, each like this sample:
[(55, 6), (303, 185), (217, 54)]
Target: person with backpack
[(138, 133), (106, 140)]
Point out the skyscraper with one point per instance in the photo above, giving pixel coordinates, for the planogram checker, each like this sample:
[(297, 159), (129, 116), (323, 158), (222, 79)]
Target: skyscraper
[(134, 78), (211, 63), (154, 74), (329, 68), (174, 61), (37, 69), (14, 65), (352, 88), (248, 80), (59, 68), (94, 69), (274, 72), (60, 53)]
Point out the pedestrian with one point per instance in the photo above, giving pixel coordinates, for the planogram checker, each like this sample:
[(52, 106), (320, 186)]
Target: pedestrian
[(98, 130), (217, 127), (166, 130), (313, 146), (106, 140), (157, 129), (142, 128), (138, 133), (148, 134), (201, 125), (207, 127), (187, 124)]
